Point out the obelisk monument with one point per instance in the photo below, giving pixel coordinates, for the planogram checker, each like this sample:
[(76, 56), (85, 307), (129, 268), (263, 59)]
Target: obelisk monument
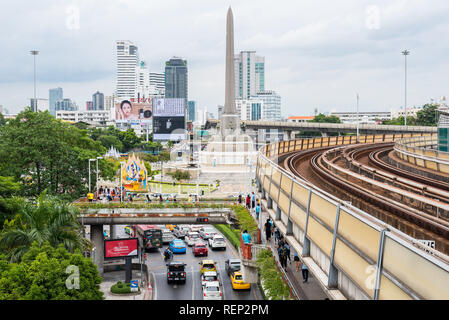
[(230, 120)]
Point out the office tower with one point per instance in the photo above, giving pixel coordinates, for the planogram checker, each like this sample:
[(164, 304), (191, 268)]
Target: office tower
[(143, 81), (97, 101), (249, 74), (271, 105), (219, 111), (39, 104), (89, 105), (109, 102), (191, 110), (176, 79), (66, 105), (157, 84), (55, 95), (250, 109), (127, 65)]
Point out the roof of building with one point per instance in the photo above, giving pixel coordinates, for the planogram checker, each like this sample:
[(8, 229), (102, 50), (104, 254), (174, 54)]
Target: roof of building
[(301, 117)]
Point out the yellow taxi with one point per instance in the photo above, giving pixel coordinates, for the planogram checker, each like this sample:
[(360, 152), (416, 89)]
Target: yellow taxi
[(207, 265), (170, 226), (237, 281)]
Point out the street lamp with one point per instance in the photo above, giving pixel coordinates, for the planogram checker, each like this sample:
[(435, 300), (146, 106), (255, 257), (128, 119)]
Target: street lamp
[(34, 53), (96, 184), (89, 172), (405, 53), (121, 170)]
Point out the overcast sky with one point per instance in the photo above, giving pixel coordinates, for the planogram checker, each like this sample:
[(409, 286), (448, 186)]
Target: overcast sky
[(318, 53)]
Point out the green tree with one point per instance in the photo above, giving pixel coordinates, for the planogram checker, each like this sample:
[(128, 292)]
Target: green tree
[(47, 273), (321, 118), (2, 120), (46, 153), (427, 116), (9, 205), (49, 220), (109, 141)]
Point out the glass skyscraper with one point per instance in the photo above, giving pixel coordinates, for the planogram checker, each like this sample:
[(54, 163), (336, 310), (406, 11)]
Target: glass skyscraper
[(191, 111), (55, 95), (176, 79), (249, 71), (98, 101)]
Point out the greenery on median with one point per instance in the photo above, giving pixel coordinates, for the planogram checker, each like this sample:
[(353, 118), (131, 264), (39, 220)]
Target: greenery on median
[(233, 235), (245, 220), (156, 205), (275, 288), (122, 288)]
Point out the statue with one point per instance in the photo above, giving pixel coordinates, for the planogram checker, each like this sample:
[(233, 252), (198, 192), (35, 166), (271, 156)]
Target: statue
[(134, 174)]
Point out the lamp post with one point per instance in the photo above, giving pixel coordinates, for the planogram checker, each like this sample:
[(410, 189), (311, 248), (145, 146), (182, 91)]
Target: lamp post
[(358, 118), (89, 172), (34, 53), (121, 182), (96, 184), (405, 53)]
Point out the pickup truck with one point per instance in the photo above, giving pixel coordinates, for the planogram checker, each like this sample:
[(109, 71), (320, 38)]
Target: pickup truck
[(176, 272)]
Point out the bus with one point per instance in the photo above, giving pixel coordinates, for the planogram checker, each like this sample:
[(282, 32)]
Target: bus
[(150, 236)]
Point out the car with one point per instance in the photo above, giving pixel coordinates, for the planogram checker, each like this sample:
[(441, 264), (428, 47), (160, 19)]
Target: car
[(167, 236), (178, 246), (171, 227), (237, 281), (208, 265), (196, 227), (217, 242), (232, 265), (192, 237), (212, 291), (200, 249), (209, 276), (180, 232), (176, 272), (207, 232)]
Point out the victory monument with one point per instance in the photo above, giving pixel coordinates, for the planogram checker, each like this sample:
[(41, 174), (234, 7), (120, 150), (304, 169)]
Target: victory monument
[(229, 146)]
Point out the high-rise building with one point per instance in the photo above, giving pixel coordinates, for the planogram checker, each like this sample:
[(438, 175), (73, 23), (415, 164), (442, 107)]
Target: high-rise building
[(191, 111), (55, 95), (98, 101), (127, 65), (66, 105), (157, 84), (250, 109), (176, 79), (39, 104), (249, 70), (219, 111), (271, 105), (89, 105), (143, 81)]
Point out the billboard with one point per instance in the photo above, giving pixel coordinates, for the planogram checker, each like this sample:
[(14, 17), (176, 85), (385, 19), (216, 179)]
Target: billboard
[(169, 119), (121, 248), (135, 112)]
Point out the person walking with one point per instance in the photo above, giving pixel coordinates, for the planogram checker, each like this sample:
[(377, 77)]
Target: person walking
[(276, 235), (257, 211), (283, 256), (240, 199), (248, 201), (305, 272), (246, 237), (253, 201), (287, 247), (296, 259), (267, 228)]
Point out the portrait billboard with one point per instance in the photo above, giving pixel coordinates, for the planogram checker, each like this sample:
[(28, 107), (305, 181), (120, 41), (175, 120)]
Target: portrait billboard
[(121, 248), (134, 112)]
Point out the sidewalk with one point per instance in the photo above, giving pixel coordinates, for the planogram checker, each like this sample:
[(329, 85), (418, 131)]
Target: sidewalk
[(310, 290)]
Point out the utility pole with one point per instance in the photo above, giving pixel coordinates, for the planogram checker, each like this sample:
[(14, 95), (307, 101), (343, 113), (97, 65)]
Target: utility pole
[(96, 184), (358, 118), (34, 53), (405, 53), (89, 172)]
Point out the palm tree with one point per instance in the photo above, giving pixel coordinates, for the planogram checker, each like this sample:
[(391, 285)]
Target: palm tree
[(49, 220)]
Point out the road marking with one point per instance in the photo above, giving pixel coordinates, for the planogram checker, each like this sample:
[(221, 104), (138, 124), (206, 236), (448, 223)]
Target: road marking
[(154, 287), (193, 285), (222, 284)]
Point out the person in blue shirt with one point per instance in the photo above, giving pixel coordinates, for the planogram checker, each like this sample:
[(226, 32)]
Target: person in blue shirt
[(257, 211), (246, 237), (253, 200), (305, 272)]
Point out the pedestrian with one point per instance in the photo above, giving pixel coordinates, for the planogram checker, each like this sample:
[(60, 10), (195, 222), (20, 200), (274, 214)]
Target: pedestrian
[(257, 211), (296, 259), (276, 235), (246, 237), (148, 198), (287, 247), (174, 199), (240, 199), (90, 196), (253, 201), (283, 256), (160, 198), (267, 228), (305, 272), (248, 201)]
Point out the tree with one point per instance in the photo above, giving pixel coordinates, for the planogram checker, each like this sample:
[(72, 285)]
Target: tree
[(321, 118), (130, 140), (9, 205), (50, 220), (2, 120), (47, 273), (46, 153), (427, 116), (109, 141)]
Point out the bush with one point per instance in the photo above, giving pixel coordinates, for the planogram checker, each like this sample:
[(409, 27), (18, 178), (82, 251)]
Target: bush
[(232, 235), (276, 288), (122, 288)]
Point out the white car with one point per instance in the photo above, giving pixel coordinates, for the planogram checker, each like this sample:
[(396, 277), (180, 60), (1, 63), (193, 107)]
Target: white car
[(209, 276), (167, 236), (196, 227), (207, 232), (217, 242), (212, 291), (191, 238)]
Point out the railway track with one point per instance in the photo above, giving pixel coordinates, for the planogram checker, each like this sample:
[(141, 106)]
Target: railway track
[(382, 200)]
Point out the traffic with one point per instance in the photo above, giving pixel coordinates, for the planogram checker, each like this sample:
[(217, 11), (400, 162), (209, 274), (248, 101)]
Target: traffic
[(191, 262)]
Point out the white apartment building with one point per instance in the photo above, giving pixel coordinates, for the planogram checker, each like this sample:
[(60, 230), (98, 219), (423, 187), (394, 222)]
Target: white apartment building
[(249, 74), (94, 117), (272, 105), (411, 112), (250, 109), (39, 104), (127, 67), (364, 117), (157, 84)]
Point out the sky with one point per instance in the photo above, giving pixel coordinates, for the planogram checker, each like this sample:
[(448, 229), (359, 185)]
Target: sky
[(318, 54)]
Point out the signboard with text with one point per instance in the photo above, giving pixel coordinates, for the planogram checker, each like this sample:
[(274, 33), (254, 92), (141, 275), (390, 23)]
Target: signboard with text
[(134, 112), (121, 248), (169, 119)]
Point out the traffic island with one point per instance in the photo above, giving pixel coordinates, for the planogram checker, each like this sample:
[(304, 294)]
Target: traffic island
[(122, 289)]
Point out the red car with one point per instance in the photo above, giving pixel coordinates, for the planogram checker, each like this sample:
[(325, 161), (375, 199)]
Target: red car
[(199, 249)]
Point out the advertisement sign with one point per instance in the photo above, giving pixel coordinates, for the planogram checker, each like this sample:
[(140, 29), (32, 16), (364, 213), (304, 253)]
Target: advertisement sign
[(133, 112), (121, 248), (169, 119), (134, 174), (169, 107)]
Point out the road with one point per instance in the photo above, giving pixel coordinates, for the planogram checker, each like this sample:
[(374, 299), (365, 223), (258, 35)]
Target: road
[(191, 290)]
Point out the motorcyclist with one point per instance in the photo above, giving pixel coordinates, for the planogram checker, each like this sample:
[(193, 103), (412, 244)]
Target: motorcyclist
[(167, 253)]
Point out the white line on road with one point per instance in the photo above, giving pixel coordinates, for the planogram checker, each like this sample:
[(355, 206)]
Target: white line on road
[(193, 284), (154, 287)]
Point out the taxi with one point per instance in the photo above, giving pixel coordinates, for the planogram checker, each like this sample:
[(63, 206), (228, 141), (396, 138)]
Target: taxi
[(170, 226), (237, 281), (208, 265)]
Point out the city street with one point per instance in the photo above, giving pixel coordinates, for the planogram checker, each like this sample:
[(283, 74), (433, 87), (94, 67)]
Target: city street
[(191, 290)]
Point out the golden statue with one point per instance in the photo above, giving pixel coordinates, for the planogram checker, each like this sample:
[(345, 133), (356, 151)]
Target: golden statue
[(134, 174)]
